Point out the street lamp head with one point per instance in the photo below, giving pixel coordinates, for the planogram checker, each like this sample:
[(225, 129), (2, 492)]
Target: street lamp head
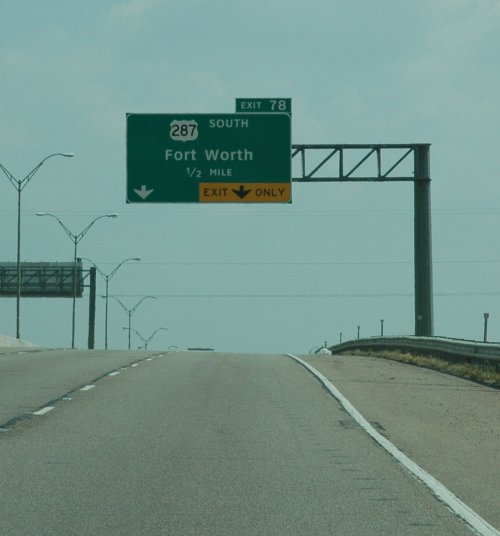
[(68, 155), (111, 215), (41, 214)]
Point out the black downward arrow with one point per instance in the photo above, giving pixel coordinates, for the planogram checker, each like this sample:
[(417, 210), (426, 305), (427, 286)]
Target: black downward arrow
[(242, 193)]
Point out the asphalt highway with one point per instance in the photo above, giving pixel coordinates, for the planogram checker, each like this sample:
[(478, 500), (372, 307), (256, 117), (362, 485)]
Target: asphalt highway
[(192, 444)]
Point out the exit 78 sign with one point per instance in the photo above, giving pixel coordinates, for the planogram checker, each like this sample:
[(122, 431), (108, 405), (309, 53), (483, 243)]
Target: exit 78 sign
[(209, 158), (264, 105)]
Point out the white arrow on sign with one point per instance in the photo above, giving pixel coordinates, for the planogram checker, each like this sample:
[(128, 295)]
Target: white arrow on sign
[(143, 192)]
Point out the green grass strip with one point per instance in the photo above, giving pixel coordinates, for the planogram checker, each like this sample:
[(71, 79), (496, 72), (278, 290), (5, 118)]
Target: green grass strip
[(486, 373)]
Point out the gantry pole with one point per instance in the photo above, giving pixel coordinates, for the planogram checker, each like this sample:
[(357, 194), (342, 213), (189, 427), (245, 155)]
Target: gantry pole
[(332, 168)]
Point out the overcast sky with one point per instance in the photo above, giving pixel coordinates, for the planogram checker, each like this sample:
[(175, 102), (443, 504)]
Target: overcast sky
[(251, 277)]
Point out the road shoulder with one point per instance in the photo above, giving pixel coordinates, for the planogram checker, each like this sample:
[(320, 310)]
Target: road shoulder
[(449, 426)]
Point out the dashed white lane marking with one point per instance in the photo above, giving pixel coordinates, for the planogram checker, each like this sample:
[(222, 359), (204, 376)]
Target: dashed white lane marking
[(44, 410), (439, 490)]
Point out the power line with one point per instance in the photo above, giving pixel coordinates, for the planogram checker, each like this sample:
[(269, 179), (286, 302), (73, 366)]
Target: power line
[(273, 296), (247, 211), (304, 263), (315, 296)]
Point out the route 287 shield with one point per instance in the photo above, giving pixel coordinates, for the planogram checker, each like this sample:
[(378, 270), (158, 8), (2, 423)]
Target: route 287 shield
[(184, 130)]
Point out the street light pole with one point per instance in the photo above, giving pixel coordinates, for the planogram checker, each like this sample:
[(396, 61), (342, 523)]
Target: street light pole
[(19, 185), (75, 238), (131, 311), (107, 278), (146, 341)]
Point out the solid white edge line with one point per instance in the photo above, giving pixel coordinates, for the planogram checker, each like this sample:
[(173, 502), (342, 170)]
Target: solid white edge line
[(44, 410), (440, 491)]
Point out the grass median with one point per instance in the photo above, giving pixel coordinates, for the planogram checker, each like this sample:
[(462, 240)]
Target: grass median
[(484, 373)]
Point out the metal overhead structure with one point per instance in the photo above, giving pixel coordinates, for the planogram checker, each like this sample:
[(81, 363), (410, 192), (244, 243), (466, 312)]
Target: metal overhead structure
[(51, 280), (41, 279), (382, 163)]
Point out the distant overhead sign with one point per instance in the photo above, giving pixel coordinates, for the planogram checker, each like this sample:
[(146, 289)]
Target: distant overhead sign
[(42, 279), (209, 158)]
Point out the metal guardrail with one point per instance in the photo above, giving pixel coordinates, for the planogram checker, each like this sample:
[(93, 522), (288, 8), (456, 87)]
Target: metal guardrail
[(451, 348)]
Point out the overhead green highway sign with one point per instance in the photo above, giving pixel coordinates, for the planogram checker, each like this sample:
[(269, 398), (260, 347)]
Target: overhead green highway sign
[(209, 158)]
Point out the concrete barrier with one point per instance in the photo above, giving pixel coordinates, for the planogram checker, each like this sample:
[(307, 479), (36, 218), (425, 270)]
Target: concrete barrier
[(6, 341)]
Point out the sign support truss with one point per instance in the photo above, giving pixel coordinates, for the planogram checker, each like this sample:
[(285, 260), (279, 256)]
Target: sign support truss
[(343, 162), (382, 163)]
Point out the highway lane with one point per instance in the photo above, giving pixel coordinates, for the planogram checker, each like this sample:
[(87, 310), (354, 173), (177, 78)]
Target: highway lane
[(206, 443), (31, 378)]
